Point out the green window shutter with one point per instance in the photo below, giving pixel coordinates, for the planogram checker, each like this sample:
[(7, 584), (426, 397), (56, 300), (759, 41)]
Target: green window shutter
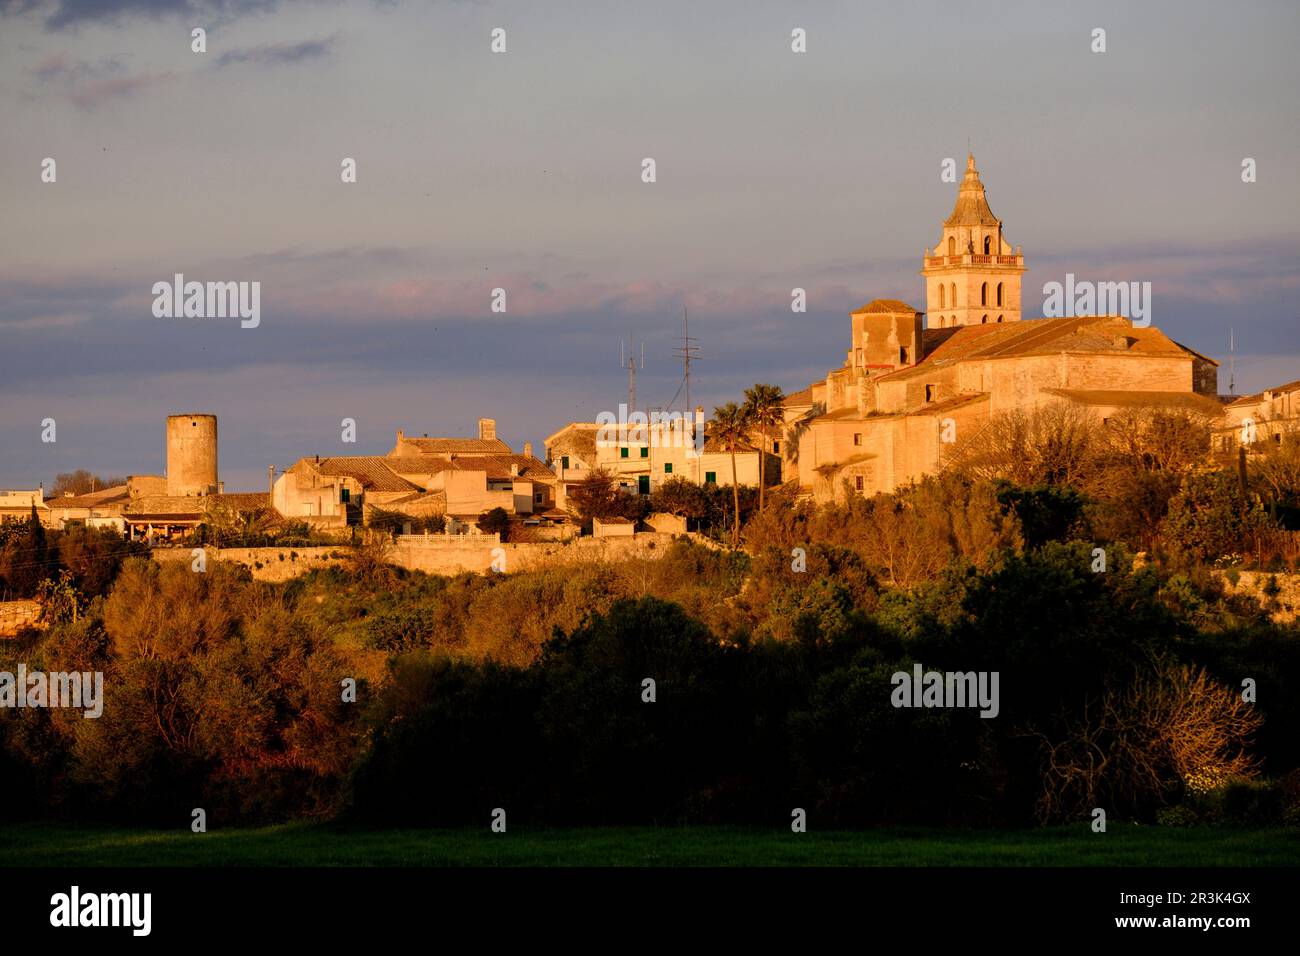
[(622, 453), (645, 452), (565, 462), (710, 477), (643, 484), (668, 468)]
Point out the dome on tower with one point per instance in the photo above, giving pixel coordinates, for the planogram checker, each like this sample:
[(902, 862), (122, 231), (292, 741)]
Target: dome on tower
[(972, 207)]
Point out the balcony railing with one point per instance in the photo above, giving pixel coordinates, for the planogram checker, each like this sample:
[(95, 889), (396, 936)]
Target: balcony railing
[(972, 259)]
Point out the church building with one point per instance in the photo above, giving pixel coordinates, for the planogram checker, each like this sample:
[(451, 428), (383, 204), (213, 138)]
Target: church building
[(912, 382)]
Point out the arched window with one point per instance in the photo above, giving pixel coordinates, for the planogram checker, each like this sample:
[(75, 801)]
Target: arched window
[(999, 293), (952, 246), (984, 321), (987, 244), (999, 318), (952, 288), (941, 292), (984, 294)]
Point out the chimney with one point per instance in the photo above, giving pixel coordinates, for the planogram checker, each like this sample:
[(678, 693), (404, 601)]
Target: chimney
[(528, 449), (514, 469), (270, 477), (400, 434), (487, 429), (318, 459)]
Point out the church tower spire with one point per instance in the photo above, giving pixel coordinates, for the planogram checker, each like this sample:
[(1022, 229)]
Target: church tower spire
[(972, 276)]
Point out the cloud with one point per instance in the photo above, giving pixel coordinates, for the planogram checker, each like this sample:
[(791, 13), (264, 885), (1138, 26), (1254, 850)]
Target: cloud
[(93, 95), (276, 54), (66, 14)]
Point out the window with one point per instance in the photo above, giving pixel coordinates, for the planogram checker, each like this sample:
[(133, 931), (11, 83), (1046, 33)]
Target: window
[(710, 477), (985, 320), (930, 392), (952, 289), (645, 451), (984, 294), (622, 453), (345, 495), (952, 245), (941, 292), (999, 293), (776, 448), (999, 318), (643, 484), (857, 438), (857, 482), (537, 498), (902, 355), (988, 243), (564, 462), (668, 468)]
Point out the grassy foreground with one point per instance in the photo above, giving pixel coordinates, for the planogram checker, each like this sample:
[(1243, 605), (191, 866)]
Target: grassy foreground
[(301, 844)]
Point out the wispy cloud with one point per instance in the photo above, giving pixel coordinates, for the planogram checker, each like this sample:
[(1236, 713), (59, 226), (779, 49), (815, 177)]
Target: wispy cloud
[(88, 85), (279, 54), (93, 95), (68, 14)]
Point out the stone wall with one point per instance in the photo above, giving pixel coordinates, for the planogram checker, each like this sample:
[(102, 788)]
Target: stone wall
[(276, 564), (17, 614), (441, 554), (1283, 605)]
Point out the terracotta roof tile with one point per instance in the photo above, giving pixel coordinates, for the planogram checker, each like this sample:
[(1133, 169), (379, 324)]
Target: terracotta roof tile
[(372, 472), (887, 306), (460, 446)]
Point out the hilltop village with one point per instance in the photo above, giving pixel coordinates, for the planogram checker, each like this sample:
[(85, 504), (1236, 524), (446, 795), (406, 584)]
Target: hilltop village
[(911, 385)]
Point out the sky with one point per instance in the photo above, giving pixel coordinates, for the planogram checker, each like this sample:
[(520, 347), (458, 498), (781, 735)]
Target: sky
[(522, 170)]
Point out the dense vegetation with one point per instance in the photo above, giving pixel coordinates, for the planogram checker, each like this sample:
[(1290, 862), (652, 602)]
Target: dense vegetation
[(1121, 680)]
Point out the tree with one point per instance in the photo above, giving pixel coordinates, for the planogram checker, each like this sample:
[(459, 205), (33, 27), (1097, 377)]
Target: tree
[(765, 409), (60, 600), (1209, 519), (1053, 445), (596, 496), (81, 482), (496, 521), (730, 426), (678, 496)]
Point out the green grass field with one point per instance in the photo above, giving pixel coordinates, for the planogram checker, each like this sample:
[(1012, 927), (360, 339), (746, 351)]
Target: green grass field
[(325, 845)]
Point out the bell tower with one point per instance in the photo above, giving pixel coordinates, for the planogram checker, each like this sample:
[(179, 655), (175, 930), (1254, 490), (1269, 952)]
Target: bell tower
[(972, 276)]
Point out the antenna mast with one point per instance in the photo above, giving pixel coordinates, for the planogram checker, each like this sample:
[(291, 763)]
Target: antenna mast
[(630, 364), (687, 350), (1232, 362)]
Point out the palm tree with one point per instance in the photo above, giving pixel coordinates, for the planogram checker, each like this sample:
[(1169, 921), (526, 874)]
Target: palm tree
[(730, 425), (765, 408)]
